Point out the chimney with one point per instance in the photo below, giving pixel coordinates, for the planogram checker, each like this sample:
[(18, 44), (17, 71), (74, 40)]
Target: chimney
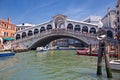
[(8, 20)]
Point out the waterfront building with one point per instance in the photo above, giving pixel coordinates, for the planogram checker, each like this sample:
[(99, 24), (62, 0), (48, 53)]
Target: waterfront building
[(109, 19), (94, 20), (118, 15), (24, 26), (62, 42), (7, 31)]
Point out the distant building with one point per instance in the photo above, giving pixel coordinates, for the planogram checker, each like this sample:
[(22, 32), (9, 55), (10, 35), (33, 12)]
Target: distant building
[(118, 15), (94, 20), (109, 19), (7, 31), (23, 26), (62, 42)]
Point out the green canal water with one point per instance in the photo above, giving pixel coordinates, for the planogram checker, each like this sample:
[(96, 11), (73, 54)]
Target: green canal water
[(51, 65)]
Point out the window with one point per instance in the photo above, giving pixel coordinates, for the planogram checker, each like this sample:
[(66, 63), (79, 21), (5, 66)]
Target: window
[(11, 34), (118, 27), (117, 12), (5, 34), (118, 19), (6, 26), (12, 27)]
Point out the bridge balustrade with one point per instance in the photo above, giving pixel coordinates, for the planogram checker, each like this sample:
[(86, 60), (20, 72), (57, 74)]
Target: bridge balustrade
[(58, 32)]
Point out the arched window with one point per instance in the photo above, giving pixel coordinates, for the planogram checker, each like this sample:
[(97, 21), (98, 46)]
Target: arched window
[(30, 33), (42, 29), (109, 34), (17, 36), (70, 26), (49, 27), (77, 28), (24, 35), (36, 31), (93, 30), (85, 29)]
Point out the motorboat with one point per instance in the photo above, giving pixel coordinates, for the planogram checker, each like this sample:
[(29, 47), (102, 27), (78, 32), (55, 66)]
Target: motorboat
[(6, 53), (42, 49), (115, 64)]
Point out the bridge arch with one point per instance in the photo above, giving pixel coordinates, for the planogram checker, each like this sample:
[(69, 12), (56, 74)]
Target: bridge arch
[(77, 27), (93, 30), (24, 34), (42, 29), (109, 34), (49, 26), (59, 21), (30, 33), (18, 36), (85, 29), (36, 31), (43, 41), (70, 26)]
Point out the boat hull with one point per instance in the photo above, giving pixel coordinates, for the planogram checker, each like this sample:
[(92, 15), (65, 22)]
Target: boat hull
[(115, 65), (4, 54)]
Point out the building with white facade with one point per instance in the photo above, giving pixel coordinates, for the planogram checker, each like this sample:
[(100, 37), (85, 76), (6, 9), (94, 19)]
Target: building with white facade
[(94, 20), (23, 26), (109, 19)]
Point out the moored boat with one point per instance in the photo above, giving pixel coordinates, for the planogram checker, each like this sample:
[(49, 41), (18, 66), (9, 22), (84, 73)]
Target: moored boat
[(115, 64), (41, 49), (6, 53)]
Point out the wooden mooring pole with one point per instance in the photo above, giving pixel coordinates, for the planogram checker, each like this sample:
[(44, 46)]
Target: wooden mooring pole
[(90, 47), (102, 51)]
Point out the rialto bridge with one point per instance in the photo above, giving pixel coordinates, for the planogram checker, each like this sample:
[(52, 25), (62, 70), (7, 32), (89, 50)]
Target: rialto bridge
[(59, 27)]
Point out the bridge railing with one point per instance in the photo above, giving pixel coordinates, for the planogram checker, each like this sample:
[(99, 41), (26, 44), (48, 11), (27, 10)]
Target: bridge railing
[(58, 32)]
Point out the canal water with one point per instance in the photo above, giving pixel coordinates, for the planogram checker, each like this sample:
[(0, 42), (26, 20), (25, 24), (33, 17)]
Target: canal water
[(51, 65)]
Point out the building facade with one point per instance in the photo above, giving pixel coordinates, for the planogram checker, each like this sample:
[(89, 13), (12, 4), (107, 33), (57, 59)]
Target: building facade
[(23, 26), (94, 20), (118, 15), (109, 19), (7, 31)]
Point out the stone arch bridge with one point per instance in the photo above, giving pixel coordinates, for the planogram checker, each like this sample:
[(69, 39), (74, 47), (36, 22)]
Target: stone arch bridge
[(59, 27)]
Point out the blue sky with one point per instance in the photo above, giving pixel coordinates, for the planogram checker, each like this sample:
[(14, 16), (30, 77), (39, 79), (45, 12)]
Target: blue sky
[(38, 11)]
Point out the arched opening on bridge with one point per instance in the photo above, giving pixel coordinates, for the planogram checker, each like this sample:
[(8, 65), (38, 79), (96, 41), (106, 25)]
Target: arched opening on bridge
[(70, 26), (77, 28), (59, 22), (17, 36), (47, 39), (36, 31), (30, 33), (49, 27), (61, 25), (109, 34), (24, 35), (42, 29), (85, 29), (93, 30)]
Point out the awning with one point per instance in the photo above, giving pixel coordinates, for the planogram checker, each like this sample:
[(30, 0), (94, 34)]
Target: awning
[(8, 39)]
